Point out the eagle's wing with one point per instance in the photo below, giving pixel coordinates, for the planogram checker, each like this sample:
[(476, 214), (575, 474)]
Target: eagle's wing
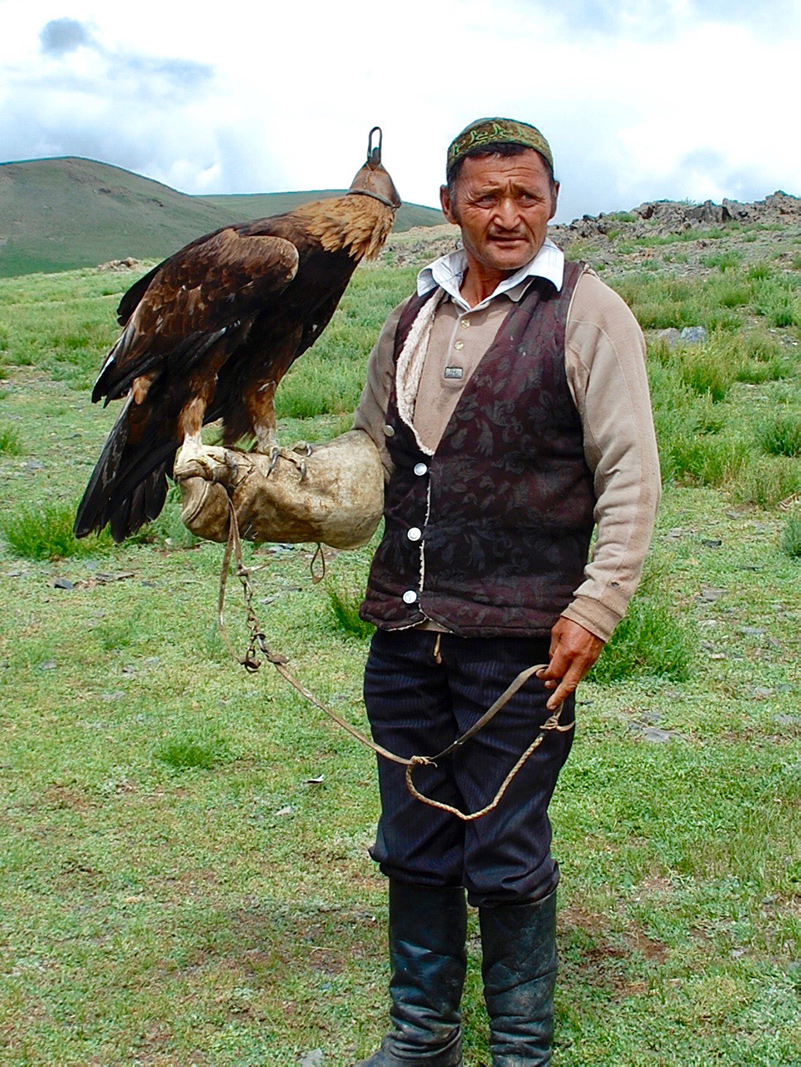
[(191, 299)]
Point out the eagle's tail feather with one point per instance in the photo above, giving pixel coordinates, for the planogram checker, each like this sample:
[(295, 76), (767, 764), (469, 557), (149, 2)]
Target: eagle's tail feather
[(128, 486)]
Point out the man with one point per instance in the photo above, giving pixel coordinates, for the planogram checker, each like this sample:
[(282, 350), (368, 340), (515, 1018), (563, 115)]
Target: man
[(509, 399)]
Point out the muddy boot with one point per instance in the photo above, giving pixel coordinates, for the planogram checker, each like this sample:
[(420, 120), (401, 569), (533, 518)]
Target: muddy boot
[(427, 931), (519, 968)]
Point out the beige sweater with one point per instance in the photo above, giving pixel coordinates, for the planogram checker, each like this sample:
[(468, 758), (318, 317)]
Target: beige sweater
[(605, 365)]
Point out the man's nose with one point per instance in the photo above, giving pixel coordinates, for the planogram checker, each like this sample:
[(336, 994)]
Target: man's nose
[(507, 214)]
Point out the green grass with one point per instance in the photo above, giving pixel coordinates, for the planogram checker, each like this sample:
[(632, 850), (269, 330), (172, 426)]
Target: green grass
[(44, 532), (780, 435), (791, 535), (184, 861), (652, 639), (188, 753), (10, 444), (345, 601)]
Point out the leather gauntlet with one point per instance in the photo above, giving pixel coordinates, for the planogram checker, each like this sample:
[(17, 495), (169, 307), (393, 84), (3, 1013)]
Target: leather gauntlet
[(333, 495)]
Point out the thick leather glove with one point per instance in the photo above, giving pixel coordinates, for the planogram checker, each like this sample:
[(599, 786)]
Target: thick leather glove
[(333, 495)]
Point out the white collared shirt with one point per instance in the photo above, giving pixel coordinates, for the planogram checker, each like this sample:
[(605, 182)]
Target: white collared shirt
[(448, 271)]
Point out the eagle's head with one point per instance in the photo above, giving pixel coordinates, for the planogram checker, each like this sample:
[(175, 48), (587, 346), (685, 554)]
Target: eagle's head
[(373, 179)]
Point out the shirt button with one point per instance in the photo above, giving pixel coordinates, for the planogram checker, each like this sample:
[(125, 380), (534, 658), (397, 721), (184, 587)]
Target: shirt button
[(458, 344), (415, 533), (420, 469), (410, 597), (389, 430), (465, 323)]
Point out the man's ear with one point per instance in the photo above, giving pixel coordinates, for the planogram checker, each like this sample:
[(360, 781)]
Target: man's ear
[(554, 199), (447, 206)]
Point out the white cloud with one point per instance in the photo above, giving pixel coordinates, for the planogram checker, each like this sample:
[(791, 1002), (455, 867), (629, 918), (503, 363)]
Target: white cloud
[(640, 98)]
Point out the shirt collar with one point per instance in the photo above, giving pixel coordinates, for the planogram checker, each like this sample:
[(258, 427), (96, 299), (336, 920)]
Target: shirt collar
[(447, 273)]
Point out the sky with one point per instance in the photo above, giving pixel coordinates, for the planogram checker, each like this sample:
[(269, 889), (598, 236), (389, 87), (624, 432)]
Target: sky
[(640, 99)]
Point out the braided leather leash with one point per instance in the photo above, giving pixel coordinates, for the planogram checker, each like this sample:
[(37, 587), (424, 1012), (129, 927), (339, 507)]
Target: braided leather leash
[(258, 643)]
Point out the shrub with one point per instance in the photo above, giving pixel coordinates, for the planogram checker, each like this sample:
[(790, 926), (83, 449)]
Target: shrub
[(345, 603), (651, 640), (10, 443), (780, 435), (45, 532), (723, 261), (768, 480), (791, 536), (704, 460), (710, 369), (185, 753)]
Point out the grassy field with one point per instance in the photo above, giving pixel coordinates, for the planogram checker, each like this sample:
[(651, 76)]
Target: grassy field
[(185, 876)]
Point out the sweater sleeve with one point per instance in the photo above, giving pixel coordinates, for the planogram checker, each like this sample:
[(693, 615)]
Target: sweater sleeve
[(371, 414), (605, 364)]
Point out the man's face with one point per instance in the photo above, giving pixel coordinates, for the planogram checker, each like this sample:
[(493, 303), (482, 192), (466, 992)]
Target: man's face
[(502, 205)]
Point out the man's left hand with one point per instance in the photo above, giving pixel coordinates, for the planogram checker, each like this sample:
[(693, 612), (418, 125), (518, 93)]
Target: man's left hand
[(573, 651)]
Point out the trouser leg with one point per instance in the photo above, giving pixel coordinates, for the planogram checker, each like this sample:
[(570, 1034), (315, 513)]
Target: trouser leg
[(427, 931), (418, 706), (518, 943)]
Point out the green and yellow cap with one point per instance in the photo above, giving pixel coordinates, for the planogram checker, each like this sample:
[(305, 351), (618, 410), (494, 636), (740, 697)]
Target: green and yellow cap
[(497, 131)]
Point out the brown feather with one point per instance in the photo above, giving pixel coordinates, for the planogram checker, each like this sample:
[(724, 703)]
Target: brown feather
[(211, 332)]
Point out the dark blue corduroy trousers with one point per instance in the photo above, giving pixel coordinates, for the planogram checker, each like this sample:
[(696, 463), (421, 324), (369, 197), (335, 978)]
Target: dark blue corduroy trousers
[(418, 706)]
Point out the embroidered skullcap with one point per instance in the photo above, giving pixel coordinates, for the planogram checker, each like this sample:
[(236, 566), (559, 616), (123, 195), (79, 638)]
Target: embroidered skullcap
[(497, 131)]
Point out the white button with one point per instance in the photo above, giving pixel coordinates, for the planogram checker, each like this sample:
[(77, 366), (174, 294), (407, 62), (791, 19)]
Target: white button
[(409, 597), (465, 323), (415, 533), (389, 431), (458, 344), (420, 469)]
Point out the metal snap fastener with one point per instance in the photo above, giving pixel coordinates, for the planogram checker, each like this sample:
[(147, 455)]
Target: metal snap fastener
[(420, 468), (415, 533), (410, 596), (389, 430)]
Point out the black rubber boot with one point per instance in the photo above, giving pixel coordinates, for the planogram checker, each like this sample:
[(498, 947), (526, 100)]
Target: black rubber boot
[(519, 967), (427, 932)]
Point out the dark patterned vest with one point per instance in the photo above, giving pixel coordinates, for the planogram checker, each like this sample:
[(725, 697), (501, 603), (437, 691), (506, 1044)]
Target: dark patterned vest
[(490, 535)]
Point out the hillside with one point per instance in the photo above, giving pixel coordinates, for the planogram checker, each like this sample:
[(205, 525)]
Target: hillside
[(59, 214)]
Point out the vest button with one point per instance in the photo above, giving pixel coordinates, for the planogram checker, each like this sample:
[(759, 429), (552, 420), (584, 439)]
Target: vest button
[(415, 533), (410, 597), (389, 430), (420, 469)]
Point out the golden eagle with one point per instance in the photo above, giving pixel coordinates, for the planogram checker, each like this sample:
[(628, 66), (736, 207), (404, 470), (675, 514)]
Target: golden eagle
[(210, 332)]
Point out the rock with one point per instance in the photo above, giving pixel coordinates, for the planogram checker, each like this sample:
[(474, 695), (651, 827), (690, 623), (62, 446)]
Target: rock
[(48, 665), (129, 263), (63, 583), (711, 542), (651, 733), (315, 1058), (710, 594), (670, 336), (694, 335)]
